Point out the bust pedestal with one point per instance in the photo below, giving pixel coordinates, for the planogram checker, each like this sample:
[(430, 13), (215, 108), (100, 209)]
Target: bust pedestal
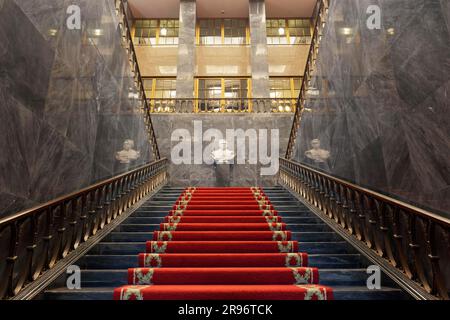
[(223, 172)]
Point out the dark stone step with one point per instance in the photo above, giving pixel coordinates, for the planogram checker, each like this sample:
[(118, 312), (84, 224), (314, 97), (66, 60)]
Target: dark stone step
[(328, 277), (144, 227), (145, 236), (297, 218), (162, 214), (129, 248), (340, 293), (328, 261)]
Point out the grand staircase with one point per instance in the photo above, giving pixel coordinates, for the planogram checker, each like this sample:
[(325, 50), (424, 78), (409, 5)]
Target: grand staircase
[(118, 266)]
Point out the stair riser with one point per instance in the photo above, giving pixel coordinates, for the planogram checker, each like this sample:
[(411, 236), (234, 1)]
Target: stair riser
[(112, 278), (139, 247), (144, 236), (150, 218), (339, 264), (282, 210), (156, 226), (338, 295), (162, 214), (130, 261)]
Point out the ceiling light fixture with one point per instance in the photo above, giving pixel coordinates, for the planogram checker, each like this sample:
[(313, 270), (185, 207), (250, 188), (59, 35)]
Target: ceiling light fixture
[(163, 32), (281, 31)]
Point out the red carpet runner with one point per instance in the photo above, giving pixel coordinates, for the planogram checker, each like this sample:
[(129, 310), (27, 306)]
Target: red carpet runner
[(223, 244)]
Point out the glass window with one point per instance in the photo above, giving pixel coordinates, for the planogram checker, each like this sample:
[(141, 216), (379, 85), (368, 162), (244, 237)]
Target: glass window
[(299, 31), (280, 88), (235, 31), (222, 31), (222, 94), (148, 87), (285, 88), (276, 31), (160, 88), (210, 32), (297, 87), (156, 32), (235, 88), (165, 89), (210, 88), (284, 92), (288, 31), (168, 32), (209, 94)]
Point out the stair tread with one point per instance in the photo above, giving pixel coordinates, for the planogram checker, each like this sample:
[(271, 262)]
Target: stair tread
[(105, 266), (336, 288)]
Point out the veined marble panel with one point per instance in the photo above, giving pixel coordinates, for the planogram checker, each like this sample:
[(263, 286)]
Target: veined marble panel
[(68, 101), (379, 100)]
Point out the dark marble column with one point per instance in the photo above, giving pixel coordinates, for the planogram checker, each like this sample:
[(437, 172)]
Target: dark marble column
[(258, 37), (186, 49)]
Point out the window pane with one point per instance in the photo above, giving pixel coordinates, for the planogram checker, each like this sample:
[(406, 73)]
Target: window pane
[(299, 31), (147, 30)]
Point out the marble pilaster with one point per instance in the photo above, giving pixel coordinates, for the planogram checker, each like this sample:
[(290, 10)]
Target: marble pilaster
[(186, 49), (258, 38)]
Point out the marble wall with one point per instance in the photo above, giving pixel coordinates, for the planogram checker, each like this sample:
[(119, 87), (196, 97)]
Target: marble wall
[(206, 175), (380, 100), (66, 100)]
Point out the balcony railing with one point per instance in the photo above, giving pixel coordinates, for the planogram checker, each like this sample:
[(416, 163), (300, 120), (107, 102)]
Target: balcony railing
[(127, 43), (34, 240), (221, 106), (413, 241), (320, 21)]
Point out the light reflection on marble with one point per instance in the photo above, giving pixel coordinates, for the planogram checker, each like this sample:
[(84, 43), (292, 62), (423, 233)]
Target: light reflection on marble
[(383, 105), (67, 100)]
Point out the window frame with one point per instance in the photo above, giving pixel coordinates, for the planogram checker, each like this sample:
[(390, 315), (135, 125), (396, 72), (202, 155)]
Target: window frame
[(222, 32), (287, 35), (222, 98), (157, 33)]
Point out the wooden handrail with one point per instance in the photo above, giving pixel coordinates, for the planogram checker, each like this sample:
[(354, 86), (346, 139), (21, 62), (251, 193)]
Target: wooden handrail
[(34, 240), (120, 6), (318, 27), (410, 239), (80, 192), (382, 197)]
